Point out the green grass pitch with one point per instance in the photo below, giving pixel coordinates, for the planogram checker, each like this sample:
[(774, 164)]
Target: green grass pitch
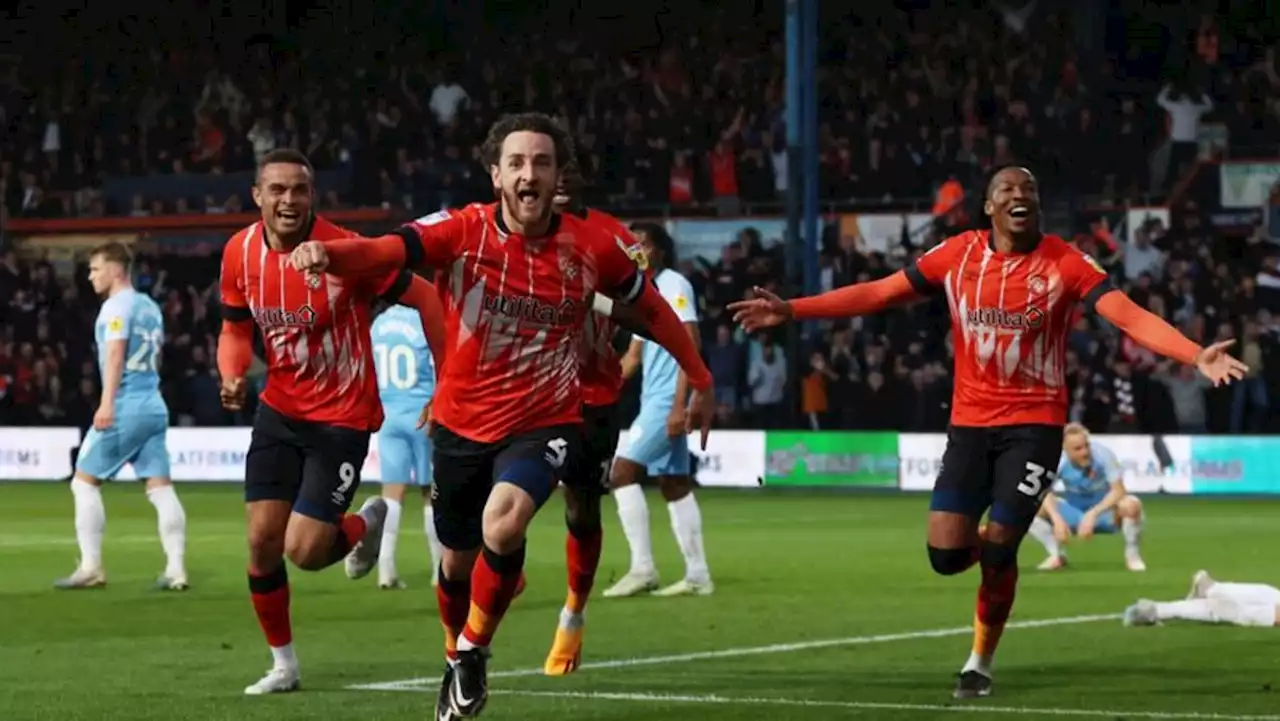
[(825, 609)]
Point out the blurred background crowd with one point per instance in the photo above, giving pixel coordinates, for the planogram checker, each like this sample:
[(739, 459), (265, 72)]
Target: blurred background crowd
[(149, 129)]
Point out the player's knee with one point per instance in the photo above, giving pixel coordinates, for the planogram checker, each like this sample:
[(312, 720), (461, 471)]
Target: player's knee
[(950, 561), (506, 518), (581, 511), (456, 565), (674, 488), (623, 473), (307, 551), (998, 556), (1130, 507)]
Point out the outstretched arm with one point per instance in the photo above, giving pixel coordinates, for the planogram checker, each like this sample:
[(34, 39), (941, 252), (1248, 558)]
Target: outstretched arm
[(857, 299), (1148, 329), (1154, 334)]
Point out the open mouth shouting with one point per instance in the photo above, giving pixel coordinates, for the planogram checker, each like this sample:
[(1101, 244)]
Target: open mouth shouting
[(288, 216), (528, 199), (1020, 211)]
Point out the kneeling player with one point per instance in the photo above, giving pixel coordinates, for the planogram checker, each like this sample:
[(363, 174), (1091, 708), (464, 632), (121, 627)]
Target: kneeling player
[(406, 383), (319, 406), (1210, 601), (1093, 500)]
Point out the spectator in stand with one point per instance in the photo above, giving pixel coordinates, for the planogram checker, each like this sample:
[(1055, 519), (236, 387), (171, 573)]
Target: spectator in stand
[(767, 381), (1187, 391), (1186, 106)]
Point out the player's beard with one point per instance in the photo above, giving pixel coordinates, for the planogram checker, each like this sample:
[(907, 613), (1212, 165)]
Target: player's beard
[(528, 215)]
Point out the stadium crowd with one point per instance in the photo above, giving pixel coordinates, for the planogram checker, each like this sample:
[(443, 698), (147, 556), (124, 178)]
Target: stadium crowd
[(672, 119)]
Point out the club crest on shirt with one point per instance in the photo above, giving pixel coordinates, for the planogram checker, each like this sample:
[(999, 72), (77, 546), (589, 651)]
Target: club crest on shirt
[(313, 281), (1036, 285)]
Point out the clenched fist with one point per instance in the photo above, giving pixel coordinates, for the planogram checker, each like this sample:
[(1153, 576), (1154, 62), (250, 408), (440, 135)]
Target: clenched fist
[(310, 257)]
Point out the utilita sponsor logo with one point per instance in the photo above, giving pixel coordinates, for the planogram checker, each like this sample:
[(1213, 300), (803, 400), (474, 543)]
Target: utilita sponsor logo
[(1008, 320), (784, 462), (278, 317), (523, 307)]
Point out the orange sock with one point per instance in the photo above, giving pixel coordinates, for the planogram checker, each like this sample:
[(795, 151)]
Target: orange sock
[(454, 601), (995, 602), (494, 581), (582, 556)]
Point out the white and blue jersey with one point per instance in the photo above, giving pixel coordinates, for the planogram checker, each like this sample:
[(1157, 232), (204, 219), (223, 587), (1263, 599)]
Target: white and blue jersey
[(406, 382), (1085, 487), (647, 441), (138, 435)]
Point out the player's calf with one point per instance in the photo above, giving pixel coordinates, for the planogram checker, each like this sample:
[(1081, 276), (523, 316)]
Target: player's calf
[(1130, 512)]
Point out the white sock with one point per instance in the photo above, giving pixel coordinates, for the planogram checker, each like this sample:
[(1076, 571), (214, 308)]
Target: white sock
[(686, 521), (979, 663), (172, 522), (633, 511), (390, 534), (570, 620), (433, 541), (1042, 531), (1218, 610), (91, 521), (1131, 528), (1245, 592), (284, 656)]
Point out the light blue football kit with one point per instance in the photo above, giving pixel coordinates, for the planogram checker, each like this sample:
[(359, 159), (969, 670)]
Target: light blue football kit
[(1085, 487), (406, 382), (647, 441), (138, 435)]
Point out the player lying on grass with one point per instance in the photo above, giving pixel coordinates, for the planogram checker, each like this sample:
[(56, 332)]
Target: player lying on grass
[(508, 407), (1012, 293), (320, 404), (1210, 601), (130, 426), (1093, 500)]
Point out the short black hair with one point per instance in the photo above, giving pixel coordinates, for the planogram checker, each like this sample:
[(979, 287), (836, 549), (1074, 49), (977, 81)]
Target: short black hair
[(114, 252), (991, 179), (541, 123), (659, 236), (284, 155)]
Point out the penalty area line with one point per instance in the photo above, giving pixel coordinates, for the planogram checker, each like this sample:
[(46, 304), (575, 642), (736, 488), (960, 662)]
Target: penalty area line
[(414, 684)]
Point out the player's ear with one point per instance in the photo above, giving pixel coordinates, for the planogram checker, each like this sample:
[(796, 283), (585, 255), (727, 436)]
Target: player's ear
[(988, 208), (496, 176), (256, 193)]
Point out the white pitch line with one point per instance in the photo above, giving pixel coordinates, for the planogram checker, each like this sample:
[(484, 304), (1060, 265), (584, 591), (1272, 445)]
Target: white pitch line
[(412, 683), (877, 706)]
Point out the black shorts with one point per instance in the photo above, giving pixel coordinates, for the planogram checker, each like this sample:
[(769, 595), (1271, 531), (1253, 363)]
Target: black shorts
[(1008, 469), (465, 471), (600, 430), (314, 466)]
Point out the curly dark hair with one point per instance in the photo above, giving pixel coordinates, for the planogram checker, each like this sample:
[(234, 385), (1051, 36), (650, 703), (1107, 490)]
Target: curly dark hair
[(540, 123)]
